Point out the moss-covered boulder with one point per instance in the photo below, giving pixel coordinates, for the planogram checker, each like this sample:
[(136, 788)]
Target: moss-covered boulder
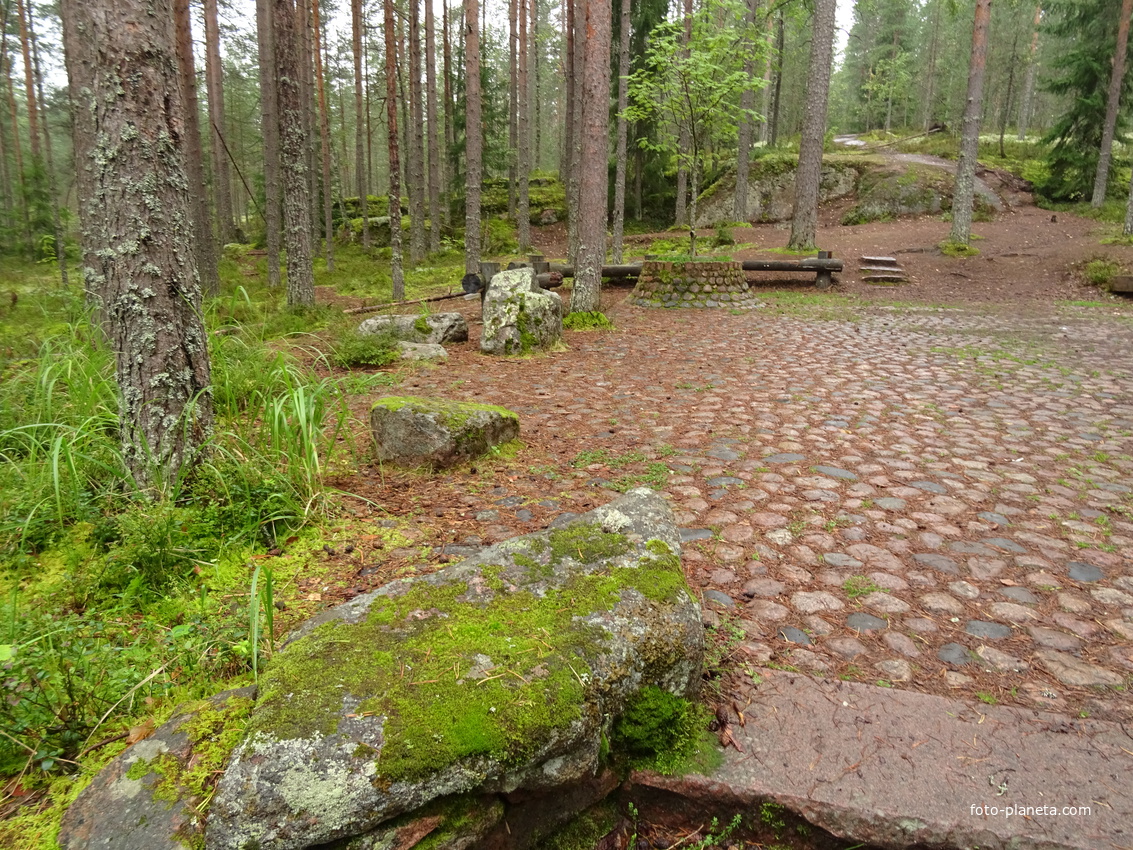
[(771, 189), (498, 675), (519, 316), (149, 796), (435, 328), (436, 433)]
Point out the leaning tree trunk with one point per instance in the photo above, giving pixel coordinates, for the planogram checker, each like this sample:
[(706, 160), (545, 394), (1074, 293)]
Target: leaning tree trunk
[(747, 124), (808, 178), (473, 137), (594, 147), (293, 154), (136, 232), (964, 193), (623, 135), (394, 207), (1101, 179), (194, 156), (214, 83)]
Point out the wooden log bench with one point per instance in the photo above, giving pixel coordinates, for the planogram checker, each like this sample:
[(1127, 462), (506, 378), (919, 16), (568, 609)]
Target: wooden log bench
[(823, 266)]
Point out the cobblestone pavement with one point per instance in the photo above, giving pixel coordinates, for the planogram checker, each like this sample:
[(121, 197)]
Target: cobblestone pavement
[(915, 497)]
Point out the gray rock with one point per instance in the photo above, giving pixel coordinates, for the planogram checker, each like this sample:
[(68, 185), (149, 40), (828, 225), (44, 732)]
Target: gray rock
[(790, 633), (1004, 544), (1075, 672), (436, 328), (890, 503), (986, 630), (865, 622), (412, 431), (127, 807), (937, 562), (519, 317), (422, 351), (955, 654), (719, 598), (1083, 572), (835, 472), (783, 457), (495, 675)]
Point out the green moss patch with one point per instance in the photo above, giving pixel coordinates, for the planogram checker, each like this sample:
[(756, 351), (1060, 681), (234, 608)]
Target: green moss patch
[(662, 732), (451, 413), (492, 661)]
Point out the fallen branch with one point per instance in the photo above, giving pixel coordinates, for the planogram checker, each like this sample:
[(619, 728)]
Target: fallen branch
[(375, 308)]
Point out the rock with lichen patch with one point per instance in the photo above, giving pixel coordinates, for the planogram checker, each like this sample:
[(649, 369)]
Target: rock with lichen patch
[(499, 674), (147, 798), (437, 433), (519, 316), (435, 328)]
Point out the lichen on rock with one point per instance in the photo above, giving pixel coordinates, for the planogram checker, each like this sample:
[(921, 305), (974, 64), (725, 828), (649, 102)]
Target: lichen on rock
[(499, 673), (519, 316), (437, 433)]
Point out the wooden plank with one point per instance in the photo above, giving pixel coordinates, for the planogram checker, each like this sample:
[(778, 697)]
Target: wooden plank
[(885, 278), (890, 269), (891, 261)]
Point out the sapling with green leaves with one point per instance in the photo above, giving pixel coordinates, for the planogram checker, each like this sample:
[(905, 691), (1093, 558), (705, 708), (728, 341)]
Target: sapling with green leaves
[(693, 88)]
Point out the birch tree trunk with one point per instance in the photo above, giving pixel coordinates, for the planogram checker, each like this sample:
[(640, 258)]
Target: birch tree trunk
[(1113, 100), (194, 155), (136, 229), (623, 135), (473, 137), (964, 193), (397, 273), (808, 178), (431, 118), (269, 127), (214, 84), (594, 150), (294, 153)]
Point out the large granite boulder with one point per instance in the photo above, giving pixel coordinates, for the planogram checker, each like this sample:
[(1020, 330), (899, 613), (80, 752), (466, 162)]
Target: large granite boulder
[(411, 431), (147, 797), (519, 316), (498, 675), (436, 328)]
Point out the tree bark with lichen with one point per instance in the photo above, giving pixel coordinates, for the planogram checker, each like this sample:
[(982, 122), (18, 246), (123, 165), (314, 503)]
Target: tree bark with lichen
[(138, 253)]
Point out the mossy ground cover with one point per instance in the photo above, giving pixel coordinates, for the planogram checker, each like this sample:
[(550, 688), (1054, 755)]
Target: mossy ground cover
[(491, 664)]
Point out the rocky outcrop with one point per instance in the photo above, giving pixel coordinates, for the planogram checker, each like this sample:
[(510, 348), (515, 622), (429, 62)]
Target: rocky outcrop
[(498, 675), (771, 192), (147, 798), (411, 431), (435, 328), (519, 316)]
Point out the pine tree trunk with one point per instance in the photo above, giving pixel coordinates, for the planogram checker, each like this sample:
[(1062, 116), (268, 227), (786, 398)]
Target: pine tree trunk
[(473, 137), (324, 139), (808, 178), (417, 184), (513, 107), (1006, 110), (17, 147), (681, 214), (537, 103), (594, 149), (359, 125), (307, 101), (431, 117), (1101, 179), (269, 128), (930, 76), (29, 85), (780, 38), (194, 156), (56, 219), (122, 71), (1029, 84), (747, 125), (623, 135), (396, 271), (964, 192), (294, 153), (214, 84), (579, 69), (450, 124), (523, 167)]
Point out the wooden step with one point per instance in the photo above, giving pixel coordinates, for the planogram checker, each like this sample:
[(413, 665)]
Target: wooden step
[(887, 261), (894, 269), (884, 278)]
